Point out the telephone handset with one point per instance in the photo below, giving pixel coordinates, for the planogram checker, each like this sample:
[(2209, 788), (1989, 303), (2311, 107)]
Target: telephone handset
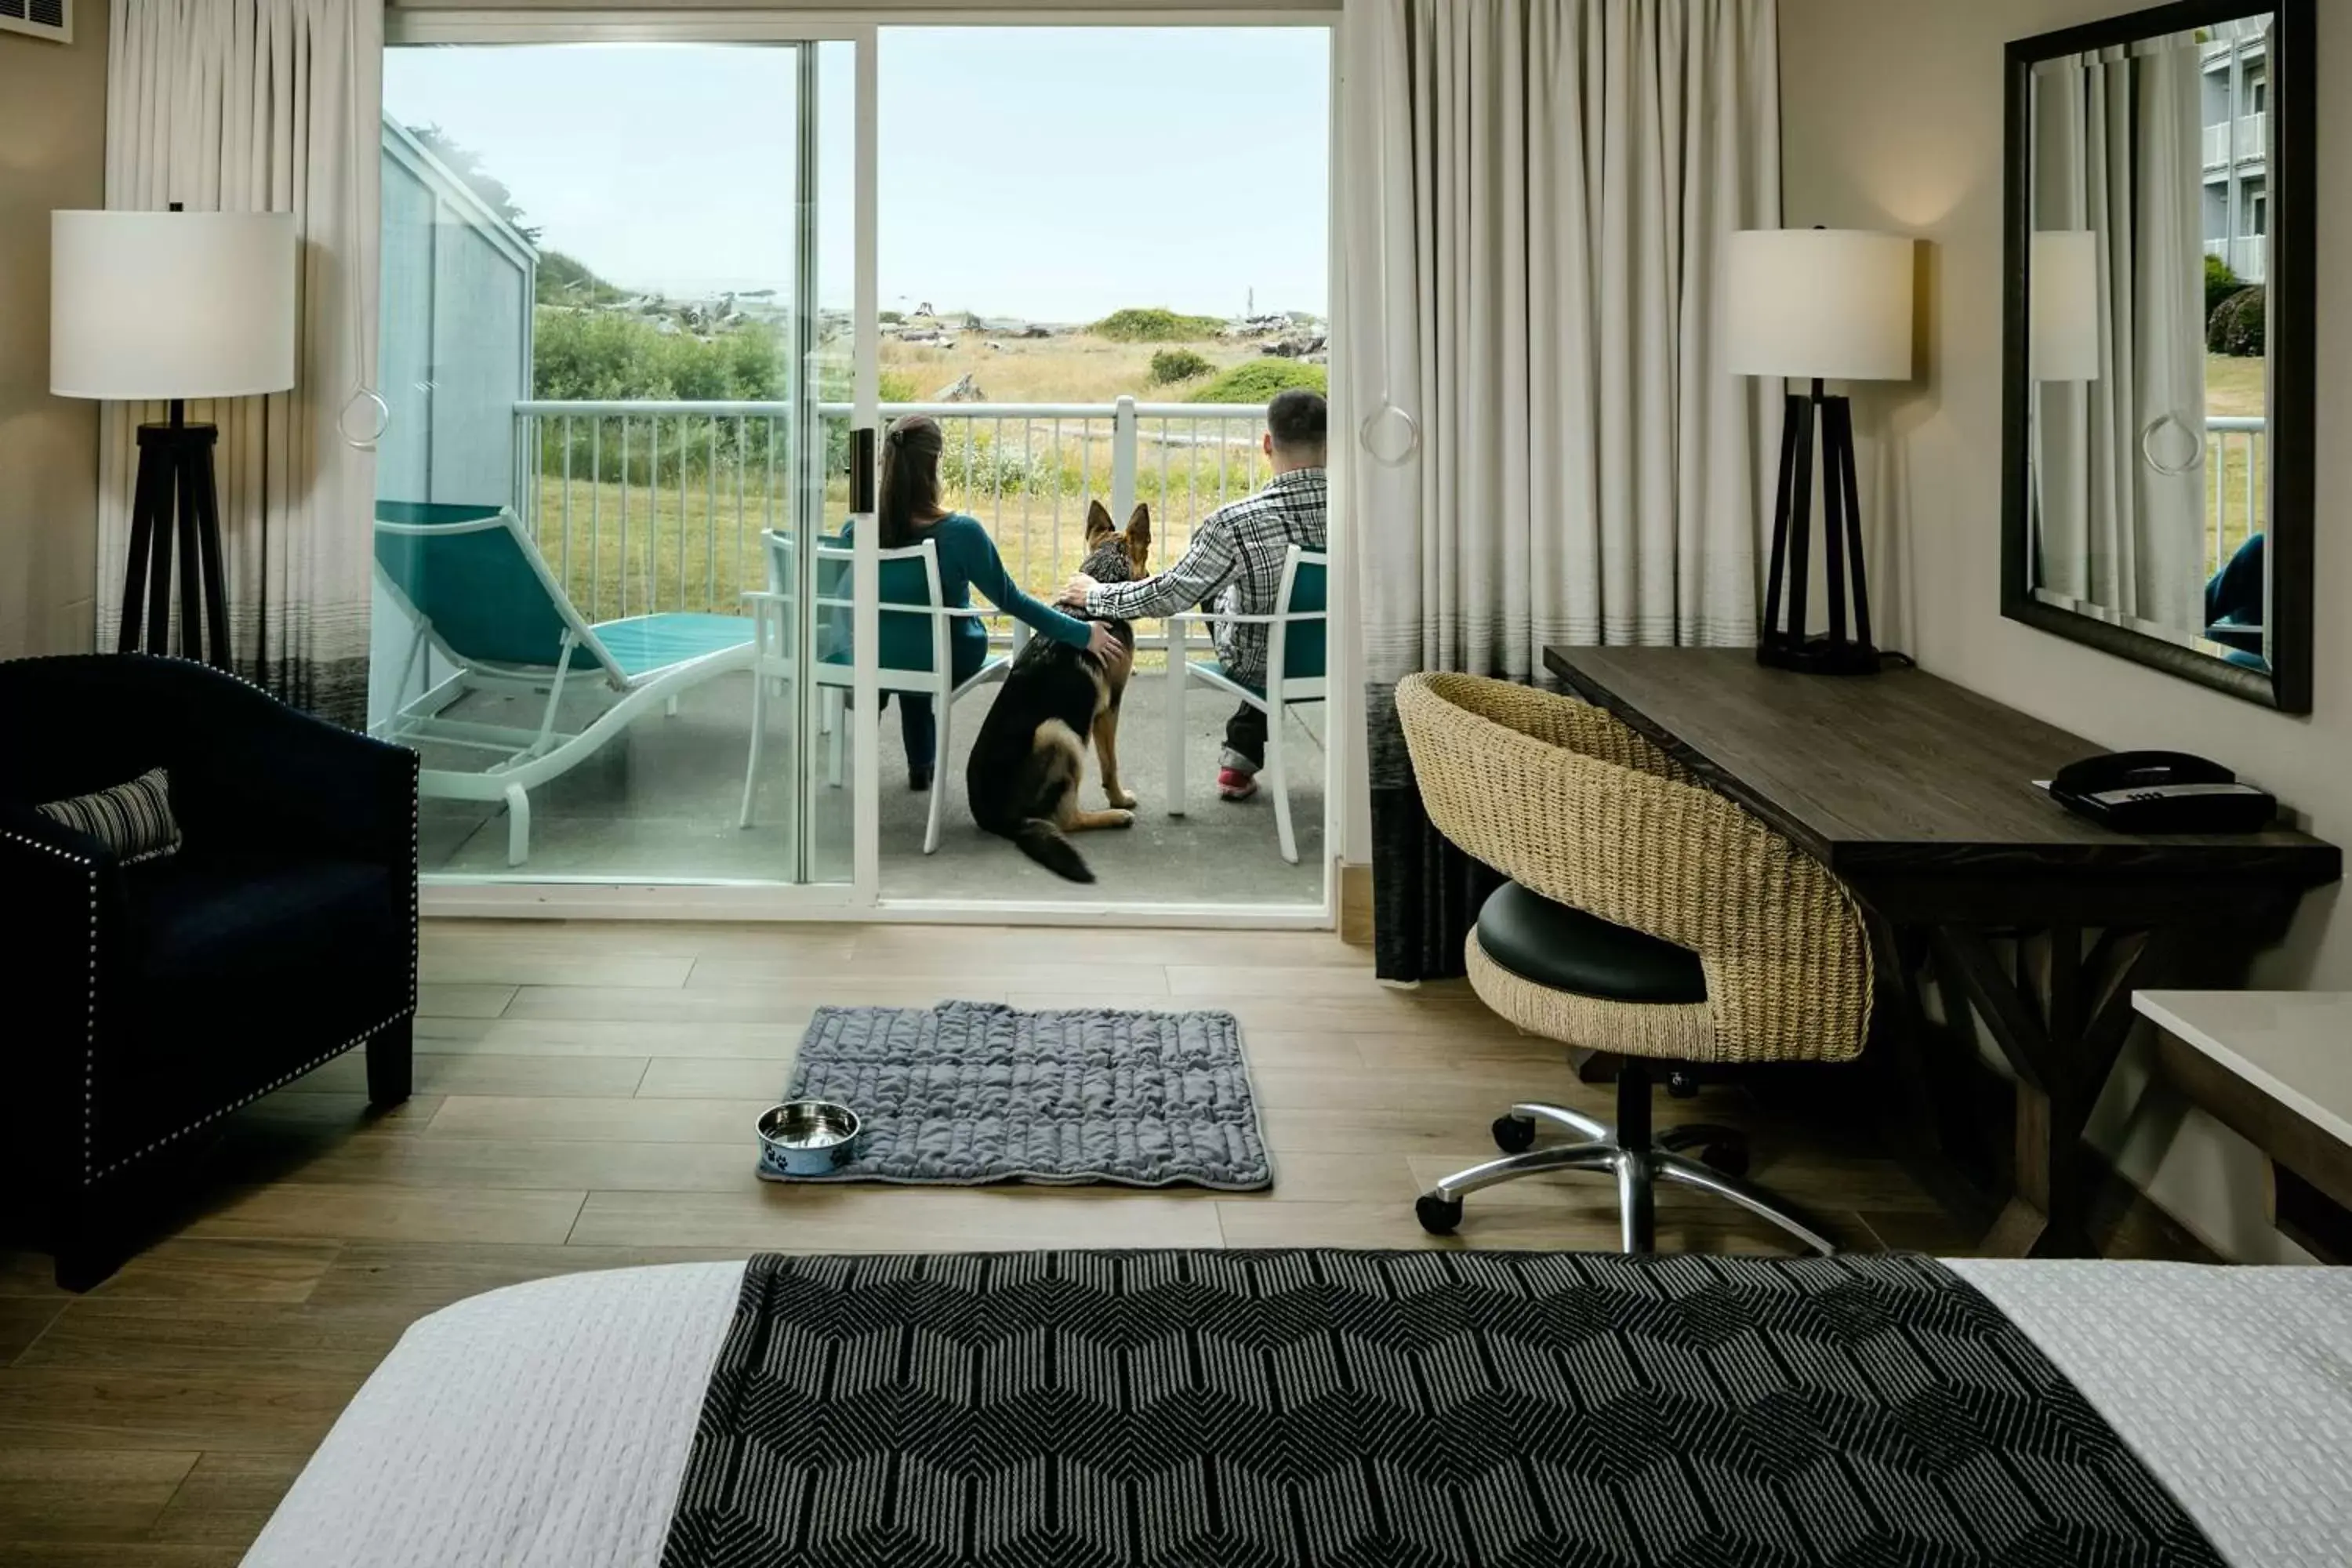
[(2162, 791)]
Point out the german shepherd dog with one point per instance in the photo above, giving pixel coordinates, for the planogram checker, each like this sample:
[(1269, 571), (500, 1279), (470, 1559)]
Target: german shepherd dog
[(1025, 768)]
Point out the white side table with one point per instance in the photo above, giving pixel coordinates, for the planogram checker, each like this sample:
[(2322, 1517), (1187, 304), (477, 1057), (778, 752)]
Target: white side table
[(2276, 1067)]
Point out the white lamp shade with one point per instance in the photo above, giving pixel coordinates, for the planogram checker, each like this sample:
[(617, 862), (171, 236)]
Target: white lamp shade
[(1822, 304), (161, 305), (2065, 288)]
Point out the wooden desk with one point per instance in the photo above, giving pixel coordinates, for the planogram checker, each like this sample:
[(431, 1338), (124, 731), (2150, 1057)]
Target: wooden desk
[(1920, 795)]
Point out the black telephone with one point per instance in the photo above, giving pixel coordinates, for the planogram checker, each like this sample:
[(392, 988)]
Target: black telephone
[(2162, 791)]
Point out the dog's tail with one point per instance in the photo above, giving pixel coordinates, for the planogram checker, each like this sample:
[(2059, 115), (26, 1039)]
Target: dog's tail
[(1043, 843)]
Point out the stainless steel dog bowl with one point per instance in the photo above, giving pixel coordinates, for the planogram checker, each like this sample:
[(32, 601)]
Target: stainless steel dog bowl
[(806, 1138)]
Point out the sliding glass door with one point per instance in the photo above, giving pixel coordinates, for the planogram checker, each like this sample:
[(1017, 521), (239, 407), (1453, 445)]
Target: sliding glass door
[(628, 345)]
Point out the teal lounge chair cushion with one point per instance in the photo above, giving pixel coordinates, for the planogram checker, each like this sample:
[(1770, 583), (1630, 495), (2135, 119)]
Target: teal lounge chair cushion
[(481, 591), (645, 645), (491, 604)]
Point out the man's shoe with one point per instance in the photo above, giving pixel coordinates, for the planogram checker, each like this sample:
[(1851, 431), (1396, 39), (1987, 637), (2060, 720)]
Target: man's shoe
[(918, 780), (1235, 784)]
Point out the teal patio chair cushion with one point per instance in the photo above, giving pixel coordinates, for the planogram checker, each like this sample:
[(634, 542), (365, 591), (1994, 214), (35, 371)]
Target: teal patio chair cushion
[(1304, 642), (1216, 667), (905, 635)]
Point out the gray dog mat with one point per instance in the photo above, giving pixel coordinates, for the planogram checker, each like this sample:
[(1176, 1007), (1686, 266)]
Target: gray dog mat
[(970, 1092)]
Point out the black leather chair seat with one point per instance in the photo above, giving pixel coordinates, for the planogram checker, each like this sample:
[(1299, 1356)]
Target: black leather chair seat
[(1565, 949)]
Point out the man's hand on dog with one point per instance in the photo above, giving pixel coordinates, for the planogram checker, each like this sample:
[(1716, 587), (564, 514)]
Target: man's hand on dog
[(1105, 645), (1075, 592)]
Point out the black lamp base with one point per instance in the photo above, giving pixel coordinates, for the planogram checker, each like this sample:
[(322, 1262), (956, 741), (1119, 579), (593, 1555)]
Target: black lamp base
[(175, 492), (1822, 656), (1788, 643)]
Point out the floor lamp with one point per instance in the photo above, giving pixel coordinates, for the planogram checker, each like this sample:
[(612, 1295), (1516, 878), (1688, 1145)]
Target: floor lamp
[(1819, 305), (163, 307)]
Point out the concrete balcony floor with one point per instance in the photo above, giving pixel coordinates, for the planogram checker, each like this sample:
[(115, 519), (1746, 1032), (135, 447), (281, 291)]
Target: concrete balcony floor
[(659, 803)]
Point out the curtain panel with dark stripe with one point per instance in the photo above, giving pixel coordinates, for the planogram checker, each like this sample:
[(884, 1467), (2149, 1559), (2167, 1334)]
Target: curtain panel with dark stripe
[(1536, 197)]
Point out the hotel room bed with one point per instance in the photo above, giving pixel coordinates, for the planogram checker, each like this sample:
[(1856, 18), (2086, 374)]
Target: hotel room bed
[(551, 1423)]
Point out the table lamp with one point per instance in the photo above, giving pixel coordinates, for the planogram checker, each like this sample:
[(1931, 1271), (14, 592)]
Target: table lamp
[(166, 306), (1819, 305)]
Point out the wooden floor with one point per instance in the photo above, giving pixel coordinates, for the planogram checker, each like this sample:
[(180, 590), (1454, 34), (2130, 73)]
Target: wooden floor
[(584, 1099)]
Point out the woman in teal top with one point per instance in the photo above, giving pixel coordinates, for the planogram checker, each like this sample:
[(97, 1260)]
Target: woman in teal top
[(910, 513)]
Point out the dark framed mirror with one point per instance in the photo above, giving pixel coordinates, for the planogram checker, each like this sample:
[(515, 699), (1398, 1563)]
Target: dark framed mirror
[(2158, 340)]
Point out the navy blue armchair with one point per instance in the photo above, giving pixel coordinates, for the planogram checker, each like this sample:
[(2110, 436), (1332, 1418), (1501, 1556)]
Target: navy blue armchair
[(144, 1003)]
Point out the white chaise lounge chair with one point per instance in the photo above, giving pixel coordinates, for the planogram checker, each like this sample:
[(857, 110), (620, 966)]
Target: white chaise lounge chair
[(484, 600)]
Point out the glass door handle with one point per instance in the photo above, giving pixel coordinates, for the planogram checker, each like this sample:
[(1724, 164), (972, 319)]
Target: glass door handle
[(862, 501)]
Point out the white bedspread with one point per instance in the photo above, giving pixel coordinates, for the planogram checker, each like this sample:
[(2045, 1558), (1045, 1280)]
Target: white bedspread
[(548, 1424), (2233, 1385)]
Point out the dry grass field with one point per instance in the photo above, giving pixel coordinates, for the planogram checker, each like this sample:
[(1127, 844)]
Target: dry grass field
[(1076, 368)]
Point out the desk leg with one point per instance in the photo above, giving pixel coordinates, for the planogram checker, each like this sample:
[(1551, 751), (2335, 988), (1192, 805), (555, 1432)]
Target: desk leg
[(2061, 1016)]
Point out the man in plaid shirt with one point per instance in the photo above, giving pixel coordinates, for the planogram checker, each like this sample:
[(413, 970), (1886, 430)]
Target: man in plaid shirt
[(1236, 556)]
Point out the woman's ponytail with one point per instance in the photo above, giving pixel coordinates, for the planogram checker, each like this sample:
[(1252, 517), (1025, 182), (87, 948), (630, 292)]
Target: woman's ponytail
[(911, 478)]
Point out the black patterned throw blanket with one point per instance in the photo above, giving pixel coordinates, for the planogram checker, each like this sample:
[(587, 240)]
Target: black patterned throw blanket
[(1272, 1409)]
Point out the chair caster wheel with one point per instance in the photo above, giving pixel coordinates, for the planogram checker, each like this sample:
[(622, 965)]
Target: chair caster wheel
[(1683, 1085), (1439, 1216), (1515, 1134), (1732, 1159)]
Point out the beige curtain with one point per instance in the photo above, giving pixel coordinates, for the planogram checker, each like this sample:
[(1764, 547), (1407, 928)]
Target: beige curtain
[(2120, 475), (268, 106), (1534, 200)]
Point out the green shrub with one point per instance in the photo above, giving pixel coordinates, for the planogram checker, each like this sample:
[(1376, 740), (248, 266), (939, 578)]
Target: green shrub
[(1258, 380), (607, 354), (1154, 325), (2241, 327), (613, 355), (1172, 366), (892, 318), (2221, 283)]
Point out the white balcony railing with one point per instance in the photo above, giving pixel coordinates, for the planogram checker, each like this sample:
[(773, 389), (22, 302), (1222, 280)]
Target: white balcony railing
[(641, 506), (2237, 462), (2245, 140)]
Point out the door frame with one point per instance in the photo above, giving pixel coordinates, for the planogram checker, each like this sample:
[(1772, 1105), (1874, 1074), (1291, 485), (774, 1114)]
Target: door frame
[(861, 898)]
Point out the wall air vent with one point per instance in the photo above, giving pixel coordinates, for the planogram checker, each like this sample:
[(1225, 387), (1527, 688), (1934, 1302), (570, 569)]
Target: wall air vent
[(50, 20)]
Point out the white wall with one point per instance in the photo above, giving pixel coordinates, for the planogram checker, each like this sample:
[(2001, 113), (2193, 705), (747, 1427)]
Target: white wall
[(1892, 119), (52, 154)]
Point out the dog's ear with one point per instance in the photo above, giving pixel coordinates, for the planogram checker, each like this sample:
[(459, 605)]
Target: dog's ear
[(1139, 536), (1099, 522)]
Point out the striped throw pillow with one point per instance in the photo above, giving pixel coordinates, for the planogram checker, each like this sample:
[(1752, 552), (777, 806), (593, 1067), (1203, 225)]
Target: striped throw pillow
[(133, 819)]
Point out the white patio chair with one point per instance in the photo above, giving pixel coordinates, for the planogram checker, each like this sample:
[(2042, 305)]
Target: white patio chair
[(1296, 673), (914, 653)]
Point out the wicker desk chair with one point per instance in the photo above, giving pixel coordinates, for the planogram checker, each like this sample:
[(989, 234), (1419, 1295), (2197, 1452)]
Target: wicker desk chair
[(1645, 917)]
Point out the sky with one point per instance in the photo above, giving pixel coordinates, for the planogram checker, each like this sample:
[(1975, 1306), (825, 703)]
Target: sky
[(1049, 173)]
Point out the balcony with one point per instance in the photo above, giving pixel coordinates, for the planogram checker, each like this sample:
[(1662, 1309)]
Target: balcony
[(639, 507)]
